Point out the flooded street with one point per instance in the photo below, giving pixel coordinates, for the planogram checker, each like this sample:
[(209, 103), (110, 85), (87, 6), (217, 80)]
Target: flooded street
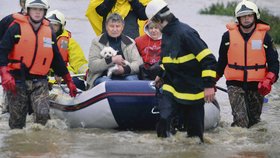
[(57, 140)]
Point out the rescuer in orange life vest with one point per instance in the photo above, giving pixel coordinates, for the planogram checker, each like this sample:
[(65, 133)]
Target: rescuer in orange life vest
[(4, 25), (249, 61), (70, 50), (27, 52)]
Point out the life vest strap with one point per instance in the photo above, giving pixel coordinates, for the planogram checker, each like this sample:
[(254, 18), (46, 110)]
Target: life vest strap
[(239, 67), (14, 61)]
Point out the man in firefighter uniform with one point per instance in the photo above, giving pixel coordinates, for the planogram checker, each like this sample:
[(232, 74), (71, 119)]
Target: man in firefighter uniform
[(27, 52), (249, 62), (188, 72), (70, 50)]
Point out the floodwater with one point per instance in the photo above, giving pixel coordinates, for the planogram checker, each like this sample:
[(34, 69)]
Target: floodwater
[(57, 140)]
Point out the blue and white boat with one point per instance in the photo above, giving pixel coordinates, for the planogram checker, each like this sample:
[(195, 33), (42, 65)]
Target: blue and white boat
[(117, 104)]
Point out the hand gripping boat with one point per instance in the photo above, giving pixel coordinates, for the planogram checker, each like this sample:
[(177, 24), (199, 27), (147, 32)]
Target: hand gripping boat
[(117, 104)]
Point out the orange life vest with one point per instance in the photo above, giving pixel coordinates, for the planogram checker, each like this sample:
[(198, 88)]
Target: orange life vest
[(246, 61), (34, 51), (62, 43)]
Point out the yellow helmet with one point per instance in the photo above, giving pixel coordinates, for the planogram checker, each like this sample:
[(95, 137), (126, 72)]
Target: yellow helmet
[(246, 7), (56, 16)]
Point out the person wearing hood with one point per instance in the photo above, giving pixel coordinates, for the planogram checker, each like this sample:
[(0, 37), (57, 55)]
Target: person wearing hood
[(149, 48)]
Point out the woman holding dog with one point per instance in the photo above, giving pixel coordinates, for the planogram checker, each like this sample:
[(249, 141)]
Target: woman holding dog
[(126, 51)]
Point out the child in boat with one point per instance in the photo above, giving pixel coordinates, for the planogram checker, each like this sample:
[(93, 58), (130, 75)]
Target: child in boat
[(149, 48)]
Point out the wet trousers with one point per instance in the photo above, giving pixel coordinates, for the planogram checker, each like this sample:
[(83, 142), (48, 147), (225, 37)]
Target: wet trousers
[(246, 106), (31, 96), (4, 103), (193, 117)]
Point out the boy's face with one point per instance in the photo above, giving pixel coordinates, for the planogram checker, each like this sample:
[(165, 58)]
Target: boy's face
[(37, 14)]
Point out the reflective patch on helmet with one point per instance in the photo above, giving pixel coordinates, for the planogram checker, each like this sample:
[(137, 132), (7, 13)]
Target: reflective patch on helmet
[(256, 44), (47, 42)]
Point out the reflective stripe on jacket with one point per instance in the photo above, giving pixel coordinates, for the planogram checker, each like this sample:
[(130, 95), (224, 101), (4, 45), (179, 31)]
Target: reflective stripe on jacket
[(179, 88), (62, 44), (189, 66), (246, 60), (33, 50)]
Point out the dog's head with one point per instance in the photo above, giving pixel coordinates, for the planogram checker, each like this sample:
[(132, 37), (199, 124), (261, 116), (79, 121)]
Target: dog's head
[(108, 52)]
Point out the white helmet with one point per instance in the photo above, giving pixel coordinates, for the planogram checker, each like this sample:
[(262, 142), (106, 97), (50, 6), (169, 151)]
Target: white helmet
[(37, 4), (246, 8), (154, 7), (56, 16)]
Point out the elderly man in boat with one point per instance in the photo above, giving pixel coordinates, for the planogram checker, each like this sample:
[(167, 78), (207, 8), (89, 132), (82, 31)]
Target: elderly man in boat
[(127, 60)]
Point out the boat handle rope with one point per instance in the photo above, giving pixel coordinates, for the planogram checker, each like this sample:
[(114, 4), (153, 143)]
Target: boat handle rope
[(154, 110)]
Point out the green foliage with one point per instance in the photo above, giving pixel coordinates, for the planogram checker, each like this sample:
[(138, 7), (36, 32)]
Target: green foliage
[(220, 9), (228, 10), (274, 23)]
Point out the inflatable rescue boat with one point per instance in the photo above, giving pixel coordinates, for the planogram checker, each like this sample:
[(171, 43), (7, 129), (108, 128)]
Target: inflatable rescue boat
[(117, 105)]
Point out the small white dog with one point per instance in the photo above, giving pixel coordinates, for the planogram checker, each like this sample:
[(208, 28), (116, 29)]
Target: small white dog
[(109, 52)]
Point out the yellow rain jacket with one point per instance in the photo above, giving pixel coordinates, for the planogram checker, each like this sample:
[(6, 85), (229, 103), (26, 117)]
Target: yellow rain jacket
[(122, 7), (77, 62)]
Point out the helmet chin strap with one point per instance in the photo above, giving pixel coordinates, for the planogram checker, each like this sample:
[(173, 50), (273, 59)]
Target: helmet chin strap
[(247, 26), (36, 21)]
